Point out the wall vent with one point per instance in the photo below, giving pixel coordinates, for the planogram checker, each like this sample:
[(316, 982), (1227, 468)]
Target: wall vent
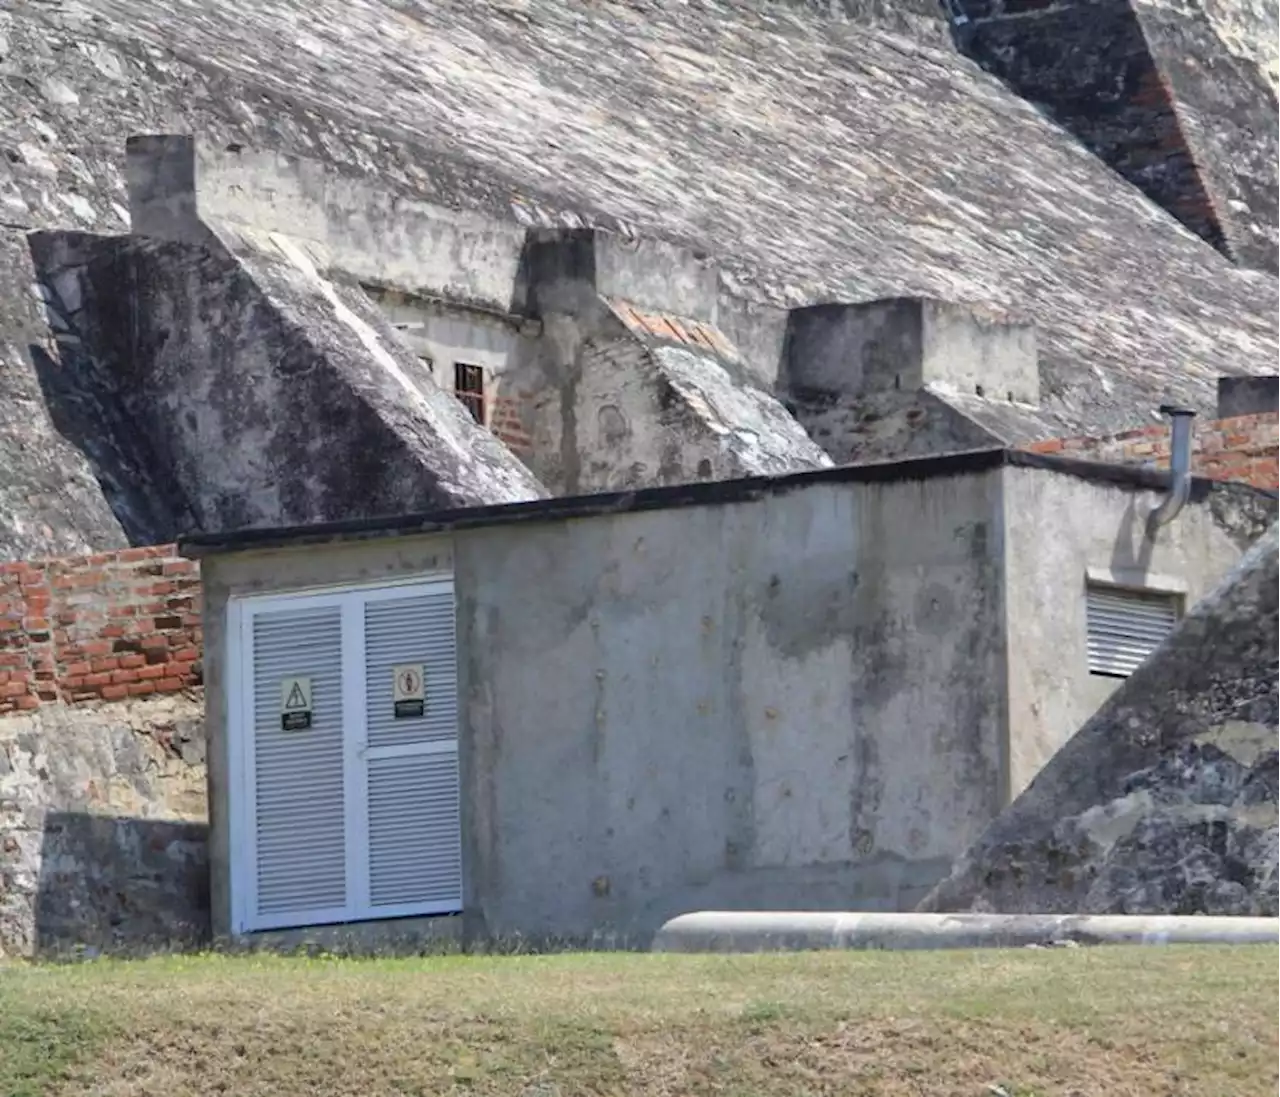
[(1125, 626)]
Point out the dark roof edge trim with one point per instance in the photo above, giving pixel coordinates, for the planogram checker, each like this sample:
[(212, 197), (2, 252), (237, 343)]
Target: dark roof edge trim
[(560, 508), (712, 493)]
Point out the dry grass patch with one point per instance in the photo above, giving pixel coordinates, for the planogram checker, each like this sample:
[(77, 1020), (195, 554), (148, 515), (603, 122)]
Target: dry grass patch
[(1124, 1022)]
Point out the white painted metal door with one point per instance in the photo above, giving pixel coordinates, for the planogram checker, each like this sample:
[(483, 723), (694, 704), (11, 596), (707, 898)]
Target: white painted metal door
[(344, 784), (295, 778), (411, 752)]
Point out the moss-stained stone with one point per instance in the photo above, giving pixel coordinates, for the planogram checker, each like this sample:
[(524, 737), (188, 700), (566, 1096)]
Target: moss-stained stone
[(102, 826)]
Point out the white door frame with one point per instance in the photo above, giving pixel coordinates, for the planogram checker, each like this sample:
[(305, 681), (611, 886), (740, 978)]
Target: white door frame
[(240, 721)]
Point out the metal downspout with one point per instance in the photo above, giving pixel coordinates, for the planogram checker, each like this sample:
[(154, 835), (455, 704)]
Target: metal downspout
[(1179, 467)]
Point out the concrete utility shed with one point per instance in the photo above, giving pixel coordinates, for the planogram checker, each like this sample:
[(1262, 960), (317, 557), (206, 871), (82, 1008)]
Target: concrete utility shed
[(802, 692)]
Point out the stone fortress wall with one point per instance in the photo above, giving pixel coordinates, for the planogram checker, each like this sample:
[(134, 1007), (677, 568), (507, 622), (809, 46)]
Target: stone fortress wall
[(354, 251), (241, 285)]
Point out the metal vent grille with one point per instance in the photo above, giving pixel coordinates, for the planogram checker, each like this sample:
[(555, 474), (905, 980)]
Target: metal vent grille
[(419, 630), (298, 775), (415, 850), (1125, 627)]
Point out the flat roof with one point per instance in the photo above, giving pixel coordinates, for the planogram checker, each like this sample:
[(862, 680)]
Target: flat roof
[(701, 494)]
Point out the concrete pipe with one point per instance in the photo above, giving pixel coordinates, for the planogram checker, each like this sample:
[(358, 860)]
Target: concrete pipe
[(767, 931)]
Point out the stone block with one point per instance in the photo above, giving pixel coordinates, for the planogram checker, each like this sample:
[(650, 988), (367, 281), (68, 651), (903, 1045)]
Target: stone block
[(907, 344)]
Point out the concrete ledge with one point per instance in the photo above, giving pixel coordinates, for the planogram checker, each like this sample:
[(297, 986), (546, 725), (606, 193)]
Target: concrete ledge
[(765, 931), (385, 937)]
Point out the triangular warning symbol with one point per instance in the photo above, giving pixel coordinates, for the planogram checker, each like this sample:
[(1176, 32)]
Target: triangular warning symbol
[(296, 699)]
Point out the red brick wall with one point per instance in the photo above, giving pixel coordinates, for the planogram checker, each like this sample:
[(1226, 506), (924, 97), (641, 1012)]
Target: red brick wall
[(1243, 448), (101, 627), (506, 423)]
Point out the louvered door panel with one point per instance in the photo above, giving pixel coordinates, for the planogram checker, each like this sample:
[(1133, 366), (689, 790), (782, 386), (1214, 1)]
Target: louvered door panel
[(1125, 627), (419, 630), (298, 775), (411, 777), (415, 850)]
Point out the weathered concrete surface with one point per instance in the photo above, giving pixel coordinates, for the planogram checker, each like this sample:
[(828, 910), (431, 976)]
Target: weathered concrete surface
[(769, 931), (901, 378), (1219, 62), (633, 384), (633, 415), (887, 426), (791, 693), (1248, 395), (269, 392), (908, 344), (1056, 542), (180, 185), (1178, 97), (1091, 68), (717, 705), (102, 826), (1165, 801), (820, 160), (802, 153)]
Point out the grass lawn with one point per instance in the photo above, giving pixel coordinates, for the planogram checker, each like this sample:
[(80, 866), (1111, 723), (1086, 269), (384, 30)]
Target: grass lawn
[(1119, 1022)]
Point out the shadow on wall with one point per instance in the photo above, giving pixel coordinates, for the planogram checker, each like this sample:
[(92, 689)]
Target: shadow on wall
[(91, 416), (81, 384), (121, 885)]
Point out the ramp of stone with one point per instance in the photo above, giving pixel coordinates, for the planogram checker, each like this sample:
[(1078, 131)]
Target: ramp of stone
[(1165, 801), (768, 931)]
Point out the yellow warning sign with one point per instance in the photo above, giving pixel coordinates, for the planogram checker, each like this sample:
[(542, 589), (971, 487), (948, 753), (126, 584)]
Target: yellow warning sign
[(295, 704)]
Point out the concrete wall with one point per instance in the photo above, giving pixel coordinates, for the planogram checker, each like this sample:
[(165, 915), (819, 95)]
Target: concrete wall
[(620, 398), (503, 346), (1063, 530), (783, 702), (905, 344), (813, 695), (633, 384), (1165, 801), (178, 185), (773, 704), (891, 379)]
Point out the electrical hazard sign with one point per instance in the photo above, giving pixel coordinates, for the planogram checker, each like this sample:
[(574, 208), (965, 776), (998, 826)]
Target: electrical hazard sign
[(409, 689), (295, 704)]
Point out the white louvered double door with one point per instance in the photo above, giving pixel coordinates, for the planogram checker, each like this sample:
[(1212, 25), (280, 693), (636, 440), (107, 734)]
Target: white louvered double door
[(344, 806)]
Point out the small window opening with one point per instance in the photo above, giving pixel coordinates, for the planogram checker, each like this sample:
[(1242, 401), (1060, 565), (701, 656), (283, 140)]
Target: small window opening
[(427, 361), (1126, 626), (468, 386)]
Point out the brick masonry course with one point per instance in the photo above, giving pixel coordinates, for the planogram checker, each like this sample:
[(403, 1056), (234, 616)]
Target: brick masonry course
[(106, 626), (1242, 448)]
